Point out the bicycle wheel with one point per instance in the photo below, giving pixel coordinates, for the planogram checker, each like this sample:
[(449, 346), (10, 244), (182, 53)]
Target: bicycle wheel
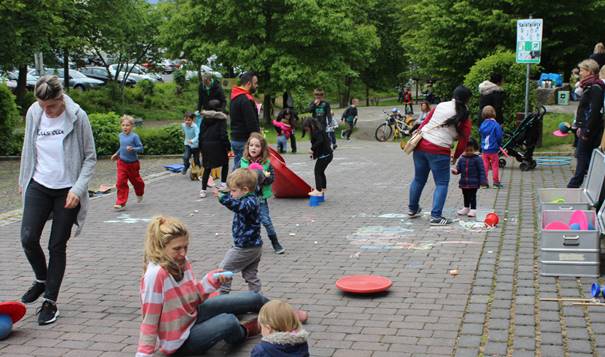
[(383, 132)]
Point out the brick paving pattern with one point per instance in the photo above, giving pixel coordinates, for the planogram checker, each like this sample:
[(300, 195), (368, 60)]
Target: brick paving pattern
[(492, 307)]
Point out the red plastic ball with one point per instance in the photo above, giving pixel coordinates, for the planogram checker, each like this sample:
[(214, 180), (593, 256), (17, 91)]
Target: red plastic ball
[(491, 219)]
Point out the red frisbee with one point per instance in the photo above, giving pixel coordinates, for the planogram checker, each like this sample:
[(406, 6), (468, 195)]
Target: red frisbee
[(14, 309), (363, 284)]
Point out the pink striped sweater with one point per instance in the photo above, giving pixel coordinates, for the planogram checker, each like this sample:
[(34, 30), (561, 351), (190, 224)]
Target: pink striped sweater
[(170, 308)]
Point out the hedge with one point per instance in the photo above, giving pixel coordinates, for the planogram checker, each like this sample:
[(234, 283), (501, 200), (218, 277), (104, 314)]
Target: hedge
[(9, 117), (502, 62)]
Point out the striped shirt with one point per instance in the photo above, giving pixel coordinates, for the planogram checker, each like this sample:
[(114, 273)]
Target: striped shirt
[(170, 308)]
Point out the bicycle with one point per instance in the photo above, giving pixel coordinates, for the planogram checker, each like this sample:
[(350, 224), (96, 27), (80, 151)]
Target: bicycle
[(393, 123)]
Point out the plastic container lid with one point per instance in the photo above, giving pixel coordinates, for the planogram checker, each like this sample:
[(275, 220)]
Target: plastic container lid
[(594, 179)]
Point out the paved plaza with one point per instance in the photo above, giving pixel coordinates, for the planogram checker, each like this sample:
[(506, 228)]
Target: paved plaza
[(492, 307)]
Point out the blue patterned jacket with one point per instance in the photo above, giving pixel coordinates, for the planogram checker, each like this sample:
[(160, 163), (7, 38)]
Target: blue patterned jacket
[(246, 220)]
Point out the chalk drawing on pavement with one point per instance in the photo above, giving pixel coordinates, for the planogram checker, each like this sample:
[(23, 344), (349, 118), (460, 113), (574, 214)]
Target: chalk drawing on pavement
[(125, 218)]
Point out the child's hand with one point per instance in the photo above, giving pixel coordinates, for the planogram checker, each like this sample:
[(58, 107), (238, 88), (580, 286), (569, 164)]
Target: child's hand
[(190, 141), (267, 173), (114, 157), (215, 192), (129, 148), (454, 171)]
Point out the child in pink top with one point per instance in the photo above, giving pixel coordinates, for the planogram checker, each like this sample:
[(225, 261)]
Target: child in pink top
[(178, 317), (284, 131)]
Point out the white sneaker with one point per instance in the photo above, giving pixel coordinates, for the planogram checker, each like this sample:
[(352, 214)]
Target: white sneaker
[(463, 211), (203, 194), (139, 199), (472, 213)]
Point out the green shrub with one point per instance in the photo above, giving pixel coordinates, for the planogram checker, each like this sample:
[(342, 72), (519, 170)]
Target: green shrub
[(9, 117), (105, 129), (502, 62), (162, 141), (147, 87), (16, 143), (180, 79)]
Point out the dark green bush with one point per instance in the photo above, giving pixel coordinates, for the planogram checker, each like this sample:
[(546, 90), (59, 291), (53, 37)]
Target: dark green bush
[(9, 117), (147, 87), (162, 141), (180, 79), (105, 128), (26, 102), (502, 62)]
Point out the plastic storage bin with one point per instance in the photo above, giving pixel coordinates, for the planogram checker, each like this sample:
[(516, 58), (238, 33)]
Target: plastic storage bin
[(577, 198), (569, 252)]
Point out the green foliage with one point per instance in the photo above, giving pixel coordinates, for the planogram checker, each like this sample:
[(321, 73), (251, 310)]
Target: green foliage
[(162, 141), (105, 129), (551, 142), (147, 87), (180, 79), (502, 62), (9, 116), (25, 102)]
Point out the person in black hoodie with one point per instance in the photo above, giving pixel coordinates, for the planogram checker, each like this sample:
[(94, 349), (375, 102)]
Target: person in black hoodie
[(244, 115), (491, 93), (320, 150), (589, 120), (210, 89), (599, 54), (214, 145)]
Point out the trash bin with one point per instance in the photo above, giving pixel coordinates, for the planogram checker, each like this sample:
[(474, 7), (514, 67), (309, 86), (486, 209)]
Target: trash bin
[(563, 97)]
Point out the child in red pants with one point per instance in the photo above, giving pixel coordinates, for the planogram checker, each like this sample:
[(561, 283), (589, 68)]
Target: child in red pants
[(128, 163), (491, 141)]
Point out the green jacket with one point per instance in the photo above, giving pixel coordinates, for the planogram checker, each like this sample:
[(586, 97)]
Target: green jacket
[(266, 191)]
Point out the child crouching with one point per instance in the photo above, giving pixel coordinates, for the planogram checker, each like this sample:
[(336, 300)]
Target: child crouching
[(282, 332), (247, 249)]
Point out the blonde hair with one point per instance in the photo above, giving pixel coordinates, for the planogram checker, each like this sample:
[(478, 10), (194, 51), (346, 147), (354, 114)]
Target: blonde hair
[(161, 231), (127, 118), (599, 48), (48, 87), (242, 178), (264, 151), (488, 112), (279, 316), (602, 73), (590, 65)]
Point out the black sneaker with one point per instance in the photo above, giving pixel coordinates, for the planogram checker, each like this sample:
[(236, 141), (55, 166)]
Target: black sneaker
[(33, 293), (48, 313), (414, 214), (278, 248), (498, 185), (440, 221)]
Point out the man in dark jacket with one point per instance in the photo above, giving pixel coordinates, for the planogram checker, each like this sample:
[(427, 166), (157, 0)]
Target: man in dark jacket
[(492, 94), (210, 89), (244, 114)]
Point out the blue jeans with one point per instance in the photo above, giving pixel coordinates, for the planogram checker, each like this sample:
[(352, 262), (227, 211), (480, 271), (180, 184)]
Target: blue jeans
[(265, 218), (439, 165), (238, 150), (216, 321), (583, 155)]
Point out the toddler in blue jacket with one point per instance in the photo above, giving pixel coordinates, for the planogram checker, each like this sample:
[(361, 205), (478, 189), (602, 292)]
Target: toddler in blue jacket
[(491, 141), (283, 336), (472, 175)]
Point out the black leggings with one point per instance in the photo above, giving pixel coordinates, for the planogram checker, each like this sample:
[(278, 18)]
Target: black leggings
[(470, 197), (39, 203), (320, 172), (206, 175)]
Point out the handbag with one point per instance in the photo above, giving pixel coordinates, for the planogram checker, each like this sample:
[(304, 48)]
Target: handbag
[(416, 137)]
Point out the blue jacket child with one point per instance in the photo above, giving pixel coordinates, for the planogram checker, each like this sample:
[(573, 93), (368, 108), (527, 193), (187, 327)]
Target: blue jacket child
[(472, 173), (491, 136), (246, 219), (283, 344)]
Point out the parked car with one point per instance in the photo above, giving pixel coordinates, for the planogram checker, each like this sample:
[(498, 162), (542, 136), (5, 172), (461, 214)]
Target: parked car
[(138, 73), (76, 79), (100, 73), (31, 78), (168, 66), (9, 79), (204, 69)]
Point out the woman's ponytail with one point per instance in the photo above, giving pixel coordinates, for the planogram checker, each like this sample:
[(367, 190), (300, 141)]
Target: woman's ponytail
[(461, 97)]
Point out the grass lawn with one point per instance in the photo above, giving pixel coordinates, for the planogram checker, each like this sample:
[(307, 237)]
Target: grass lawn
[(551, 142)]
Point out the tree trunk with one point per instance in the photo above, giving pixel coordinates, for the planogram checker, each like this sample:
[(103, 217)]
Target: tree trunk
[(22, 87), (66, 70), (367, 95), (267, 109), (347, 93)]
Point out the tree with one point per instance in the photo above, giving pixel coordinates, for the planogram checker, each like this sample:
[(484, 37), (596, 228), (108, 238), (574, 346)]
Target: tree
[(290, 44)]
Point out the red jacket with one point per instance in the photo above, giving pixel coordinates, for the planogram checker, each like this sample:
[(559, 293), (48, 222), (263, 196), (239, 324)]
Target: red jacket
[(431, 148)]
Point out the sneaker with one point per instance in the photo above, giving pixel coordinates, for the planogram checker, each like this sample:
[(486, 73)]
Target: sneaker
[(252, 328), (47, 313), (119, 207), (414, 214), (484, 186), (440, 221), (302, 315), (334, 147), (472, 213), (203, 194), (278, 248), (184, 171), (498, 185), (33, 293), (463, 211), (139, 199)]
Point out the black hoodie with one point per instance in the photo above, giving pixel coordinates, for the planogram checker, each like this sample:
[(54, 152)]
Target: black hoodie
[(206, 94)]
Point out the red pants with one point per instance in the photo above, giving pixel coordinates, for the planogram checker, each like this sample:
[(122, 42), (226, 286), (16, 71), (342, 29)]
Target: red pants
[(491, 160), (128, 171)]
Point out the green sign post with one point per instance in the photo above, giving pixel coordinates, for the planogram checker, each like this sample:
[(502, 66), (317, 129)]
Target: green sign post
[(529, 48)]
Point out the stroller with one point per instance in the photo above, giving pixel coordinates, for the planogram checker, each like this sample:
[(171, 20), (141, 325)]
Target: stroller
[(521, 142)]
